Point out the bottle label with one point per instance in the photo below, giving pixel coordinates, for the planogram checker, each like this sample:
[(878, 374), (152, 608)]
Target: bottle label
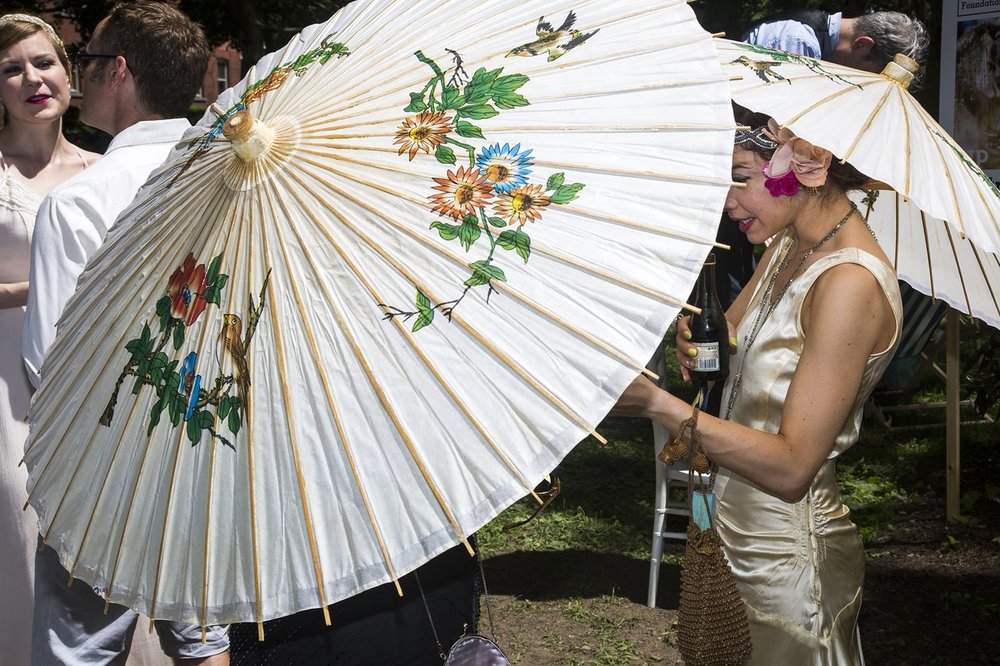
[(708, 356)]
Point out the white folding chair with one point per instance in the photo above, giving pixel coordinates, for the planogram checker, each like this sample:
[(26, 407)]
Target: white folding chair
[(668, 477)]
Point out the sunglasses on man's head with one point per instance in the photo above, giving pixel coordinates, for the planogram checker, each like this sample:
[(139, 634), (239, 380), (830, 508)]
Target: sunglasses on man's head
[(81, 57)]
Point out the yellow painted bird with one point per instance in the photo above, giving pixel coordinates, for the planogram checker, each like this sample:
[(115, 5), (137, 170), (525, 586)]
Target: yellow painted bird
[(762, 68), (556, 42), (232, 346)]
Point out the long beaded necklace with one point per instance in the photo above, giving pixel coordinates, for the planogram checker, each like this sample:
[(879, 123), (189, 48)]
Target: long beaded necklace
[(766, 306)]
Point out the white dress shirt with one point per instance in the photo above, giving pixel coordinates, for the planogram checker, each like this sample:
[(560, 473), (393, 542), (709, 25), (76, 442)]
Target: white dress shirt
[(73, 220)]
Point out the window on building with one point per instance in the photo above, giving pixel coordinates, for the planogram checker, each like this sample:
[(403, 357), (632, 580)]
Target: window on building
[(222, 74)]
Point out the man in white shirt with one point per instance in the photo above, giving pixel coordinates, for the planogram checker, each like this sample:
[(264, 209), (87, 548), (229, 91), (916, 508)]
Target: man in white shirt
[(139, 73)]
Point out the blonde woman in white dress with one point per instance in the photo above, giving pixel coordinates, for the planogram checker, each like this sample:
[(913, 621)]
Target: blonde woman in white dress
[(34, 158)]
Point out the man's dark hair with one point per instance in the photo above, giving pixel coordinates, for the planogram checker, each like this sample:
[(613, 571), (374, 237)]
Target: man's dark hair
[(166, 52)]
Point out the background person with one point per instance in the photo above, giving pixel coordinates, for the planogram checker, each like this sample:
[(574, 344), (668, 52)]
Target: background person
[(34, 158), (816, 326), (139, 73)]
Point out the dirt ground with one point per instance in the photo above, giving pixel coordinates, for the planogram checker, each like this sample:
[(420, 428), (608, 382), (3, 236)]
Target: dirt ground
[(932, 596)]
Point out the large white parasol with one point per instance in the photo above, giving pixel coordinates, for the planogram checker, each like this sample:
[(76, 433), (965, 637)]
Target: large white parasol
[(872, 121), (373, 298)]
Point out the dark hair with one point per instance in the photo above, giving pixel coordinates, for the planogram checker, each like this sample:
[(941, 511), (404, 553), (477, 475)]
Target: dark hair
[(166, 52), (842, 177)]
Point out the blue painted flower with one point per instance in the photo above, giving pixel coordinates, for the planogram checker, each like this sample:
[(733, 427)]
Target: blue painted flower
[(506, 167), (196, 386), (190, 383)]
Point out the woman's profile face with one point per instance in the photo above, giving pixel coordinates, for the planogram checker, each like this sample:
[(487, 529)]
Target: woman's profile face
[(757, 214), (34, 85)]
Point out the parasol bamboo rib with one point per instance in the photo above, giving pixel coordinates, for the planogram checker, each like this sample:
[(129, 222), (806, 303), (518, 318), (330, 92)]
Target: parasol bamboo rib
[(328, 391), (242, 207), (895, 259), (387, 406), (958, 223), (867, 125), (927, 251), (909, 157), (279, 352), (961, 278), (430, 293)]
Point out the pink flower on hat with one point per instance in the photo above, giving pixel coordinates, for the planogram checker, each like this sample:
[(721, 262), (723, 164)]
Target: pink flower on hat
[(807, 162)]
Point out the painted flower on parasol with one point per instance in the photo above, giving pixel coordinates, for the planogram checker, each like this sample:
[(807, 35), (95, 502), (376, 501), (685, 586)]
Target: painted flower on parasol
[(496, 176)]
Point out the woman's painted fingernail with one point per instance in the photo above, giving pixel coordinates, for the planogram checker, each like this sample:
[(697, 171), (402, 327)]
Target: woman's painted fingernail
[(686, 335), (732, 342), (692, 351)]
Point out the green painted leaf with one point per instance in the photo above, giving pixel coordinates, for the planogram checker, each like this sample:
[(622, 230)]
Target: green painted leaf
[(224, 407), (156, 377), (469, 232), (452, 98), (213, 269), (154, 417), (425, 319), (163, 306), (134, 347), (211, 294), (509, 83), (479, 111), (447, 231), (480, 87), (444, 154), (146, 336), (510, 100), (566, 193), (205, 419), (468, 130), (422, 300), (178, 336), (193, 431), (517, 240), (173, 379), (555, 181), (220, 284), (416, 104), (234, 421), (172, 408), (483, 272), (498, 222), (159, 361)]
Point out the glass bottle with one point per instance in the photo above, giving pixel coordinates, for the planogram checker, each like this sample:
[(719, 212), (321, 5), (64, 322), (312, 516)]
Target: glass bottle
[(709, 330)]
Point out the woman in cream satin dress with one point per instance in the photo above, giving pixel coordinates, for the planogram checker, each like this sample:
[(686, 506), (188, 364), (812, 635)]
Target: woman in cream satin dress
[(815, 329)]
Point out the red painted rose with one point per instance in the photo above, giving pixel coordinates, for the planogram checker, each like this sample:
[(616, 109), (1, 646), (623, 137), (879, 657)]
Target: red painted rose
[(185, 290)]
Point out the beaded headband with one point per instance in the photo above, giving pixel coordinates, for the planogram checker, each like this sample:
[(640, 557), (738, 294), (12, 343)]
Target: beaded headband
[(757, 138), (34, 20)]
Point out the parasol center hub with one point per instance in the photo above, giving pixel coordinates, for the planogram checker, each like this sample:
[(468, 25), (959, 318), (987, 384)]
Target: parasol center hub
[(249, 137), (902, 69)]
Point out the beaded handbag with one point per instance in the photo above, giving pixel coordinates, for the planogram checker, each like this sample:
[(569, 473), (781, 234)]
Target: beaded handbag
[(712, 626)]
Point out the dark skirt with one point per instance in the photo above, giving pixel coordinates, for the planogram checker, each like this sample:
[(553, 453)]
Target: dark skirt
[(374, 627)]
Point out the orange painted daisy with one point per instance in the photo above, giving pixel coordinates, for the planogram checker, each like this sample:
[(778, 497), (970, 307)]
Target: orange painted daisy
[(425, 132), (524, 204), (461, 193)]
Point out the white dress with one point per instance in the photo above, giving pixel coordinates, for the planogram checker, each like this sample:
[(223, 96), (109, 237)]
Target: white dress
[(18, 527)]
